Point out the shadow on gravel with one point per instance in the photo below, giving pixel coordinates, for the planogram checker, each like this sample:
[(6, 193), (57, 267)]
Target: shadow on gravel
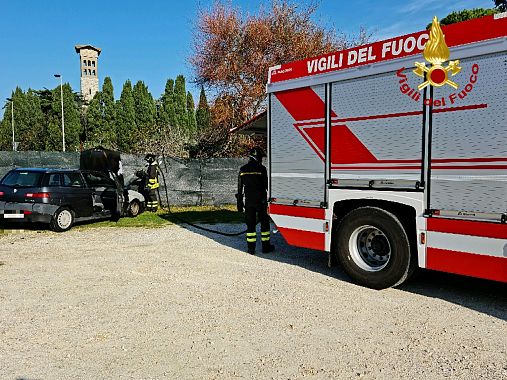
[(484, 296), (488, 297), (203, 216), (8, 227), (315, 261)]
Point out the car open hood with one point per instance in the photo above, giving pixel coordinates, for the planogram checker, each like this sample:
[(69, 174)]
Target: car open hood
[(100, 159)]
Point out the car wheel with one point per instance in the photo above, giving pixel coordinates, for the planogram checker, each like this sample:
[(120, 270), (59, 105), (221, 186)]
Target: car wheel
[(134, 208), (373, 248), (62, 220)]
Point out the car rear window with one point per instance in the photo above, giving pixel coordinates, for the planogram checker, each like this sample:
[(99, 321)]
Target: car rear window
[(22, 179)]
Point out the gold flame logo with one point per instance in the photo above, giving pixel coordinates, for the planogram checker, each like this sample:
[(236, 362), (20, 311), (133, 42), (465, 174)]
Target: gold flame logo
[(436, 52)]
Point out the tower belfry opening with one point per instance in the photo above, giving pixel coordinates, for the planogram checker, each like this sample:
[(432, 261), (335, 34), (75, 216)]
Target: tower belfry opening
[(89, 56)]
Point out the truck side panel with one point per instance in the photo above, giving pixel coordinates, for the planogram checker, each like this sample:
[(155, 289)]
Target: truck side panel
[(377, 129), (297, 173), (469, 139)]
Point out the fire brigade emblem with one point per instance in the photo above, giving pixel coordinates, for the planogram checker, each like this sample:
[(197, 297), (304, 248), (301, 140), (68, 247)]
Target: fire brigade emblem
[(436, 52)]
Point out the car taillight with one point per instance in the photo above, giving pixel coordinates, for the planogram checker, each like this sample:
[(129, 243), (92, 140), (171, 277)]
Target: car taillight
[(26, 212), (37, 195), (1, 193)]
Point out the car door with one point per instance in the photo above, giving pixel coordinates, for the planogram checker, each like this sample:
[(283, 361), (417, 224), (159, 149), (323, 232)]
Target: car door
[(76, 194), (104, 190)]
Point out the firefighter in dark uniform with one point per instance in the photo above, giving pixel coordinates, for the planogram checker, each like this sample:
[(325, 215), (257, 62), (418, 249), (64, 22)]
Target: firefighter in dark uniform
[(152, 184), (253, 182)]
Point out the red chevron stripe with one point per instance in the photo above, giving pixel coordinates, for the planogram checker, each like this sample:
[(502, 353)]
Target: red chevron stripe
[(468, 264), (467, 227)]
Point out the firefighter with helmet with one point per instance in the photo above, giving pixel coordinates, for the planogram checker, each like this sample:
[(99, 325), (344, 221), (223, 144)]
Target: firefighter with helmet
[(253, 183), (152, 183)]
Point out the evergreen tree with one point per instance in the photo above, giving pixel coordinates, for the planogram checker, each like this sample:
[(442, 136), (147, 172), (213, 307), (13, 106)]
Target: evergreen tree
[(94, 121), (5, 128), (192, 126), (53, 141), (21, 122), (101, 117), (32, 139), (21, 118), (71, 117), (73, 127), (126, 120), (166, 115), (145, 112), (38, 120), (6, 125), (28, 121), (108, 113), (464, 15), (203, 116), (180, 103)]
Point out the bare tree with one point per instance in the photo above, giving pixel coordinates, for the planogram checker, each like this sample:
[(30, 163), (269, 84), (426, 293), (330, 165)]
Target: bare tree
[(233, 52)]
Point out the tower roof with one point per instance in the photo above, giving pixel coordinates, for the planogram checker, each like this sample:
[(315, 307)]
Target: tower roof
[(79, 47)]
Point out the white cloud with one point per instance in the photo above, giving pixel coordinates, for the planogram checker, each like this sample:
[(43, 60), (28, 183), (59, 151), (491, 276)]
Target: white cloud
[(418, 6), (394, 30)]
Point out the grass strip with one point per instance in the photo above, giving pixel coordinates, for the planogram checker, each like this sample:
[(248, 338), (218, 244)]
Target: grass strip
[(192, 214)]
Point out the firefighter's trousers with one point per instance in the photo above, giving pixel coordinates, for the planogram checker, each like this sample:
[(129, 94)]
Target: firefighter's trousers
[(251, 214), (152, 200)]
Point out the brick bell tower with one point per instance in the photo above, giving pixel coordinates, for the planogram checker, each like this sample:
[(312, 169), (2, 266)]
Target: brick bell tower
[(89, 58)]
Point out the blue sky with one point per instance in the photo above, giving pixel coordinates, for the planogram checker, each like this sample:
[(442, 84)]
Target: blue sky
[(151, 40)]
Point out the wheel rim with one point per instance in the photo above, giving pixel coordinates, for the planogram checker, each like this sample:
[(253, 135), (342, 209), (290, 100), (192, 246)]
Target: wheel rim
[(369, 248), (64, 219), (134, 208)]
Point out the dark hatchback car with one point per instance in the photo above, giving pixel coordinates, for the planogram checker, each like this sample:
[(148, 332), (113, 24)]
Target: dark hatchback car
[(59, 197)]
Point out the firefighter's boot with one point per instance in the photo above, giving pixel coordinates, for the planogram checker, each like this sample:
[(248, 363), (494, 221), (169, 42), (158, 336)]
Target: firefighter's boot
[(266, 245), (251, 239)]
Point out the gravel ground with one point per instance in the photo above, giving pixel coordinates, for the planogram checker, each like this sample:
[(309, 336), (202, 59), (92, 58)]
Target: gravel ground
[(178, 303)]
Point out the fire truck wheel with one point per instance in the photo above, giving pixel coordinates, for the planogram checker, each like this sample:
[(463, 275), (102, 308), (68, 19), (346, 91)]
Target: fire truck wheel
[(373, 248)]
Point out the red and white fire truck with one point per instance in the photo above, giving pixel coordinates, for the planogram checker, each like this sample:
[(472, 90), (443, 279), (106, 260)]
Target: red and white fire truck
[(393, 155)]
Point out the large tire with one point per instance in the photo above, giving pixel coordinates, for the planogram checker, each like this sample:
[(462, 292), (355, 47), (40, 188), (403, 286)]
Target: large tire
[(373, 248), (62, 220)]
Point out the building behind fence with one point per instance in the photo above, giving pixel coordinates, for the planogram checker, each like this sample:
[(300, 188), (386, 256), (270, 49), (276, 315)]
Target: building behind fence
[(189, 181)]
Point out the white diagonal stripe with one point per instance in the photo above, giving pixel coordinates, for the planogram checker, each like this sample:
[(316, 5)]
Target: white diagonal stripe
[(298, 223), (470, 244)]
